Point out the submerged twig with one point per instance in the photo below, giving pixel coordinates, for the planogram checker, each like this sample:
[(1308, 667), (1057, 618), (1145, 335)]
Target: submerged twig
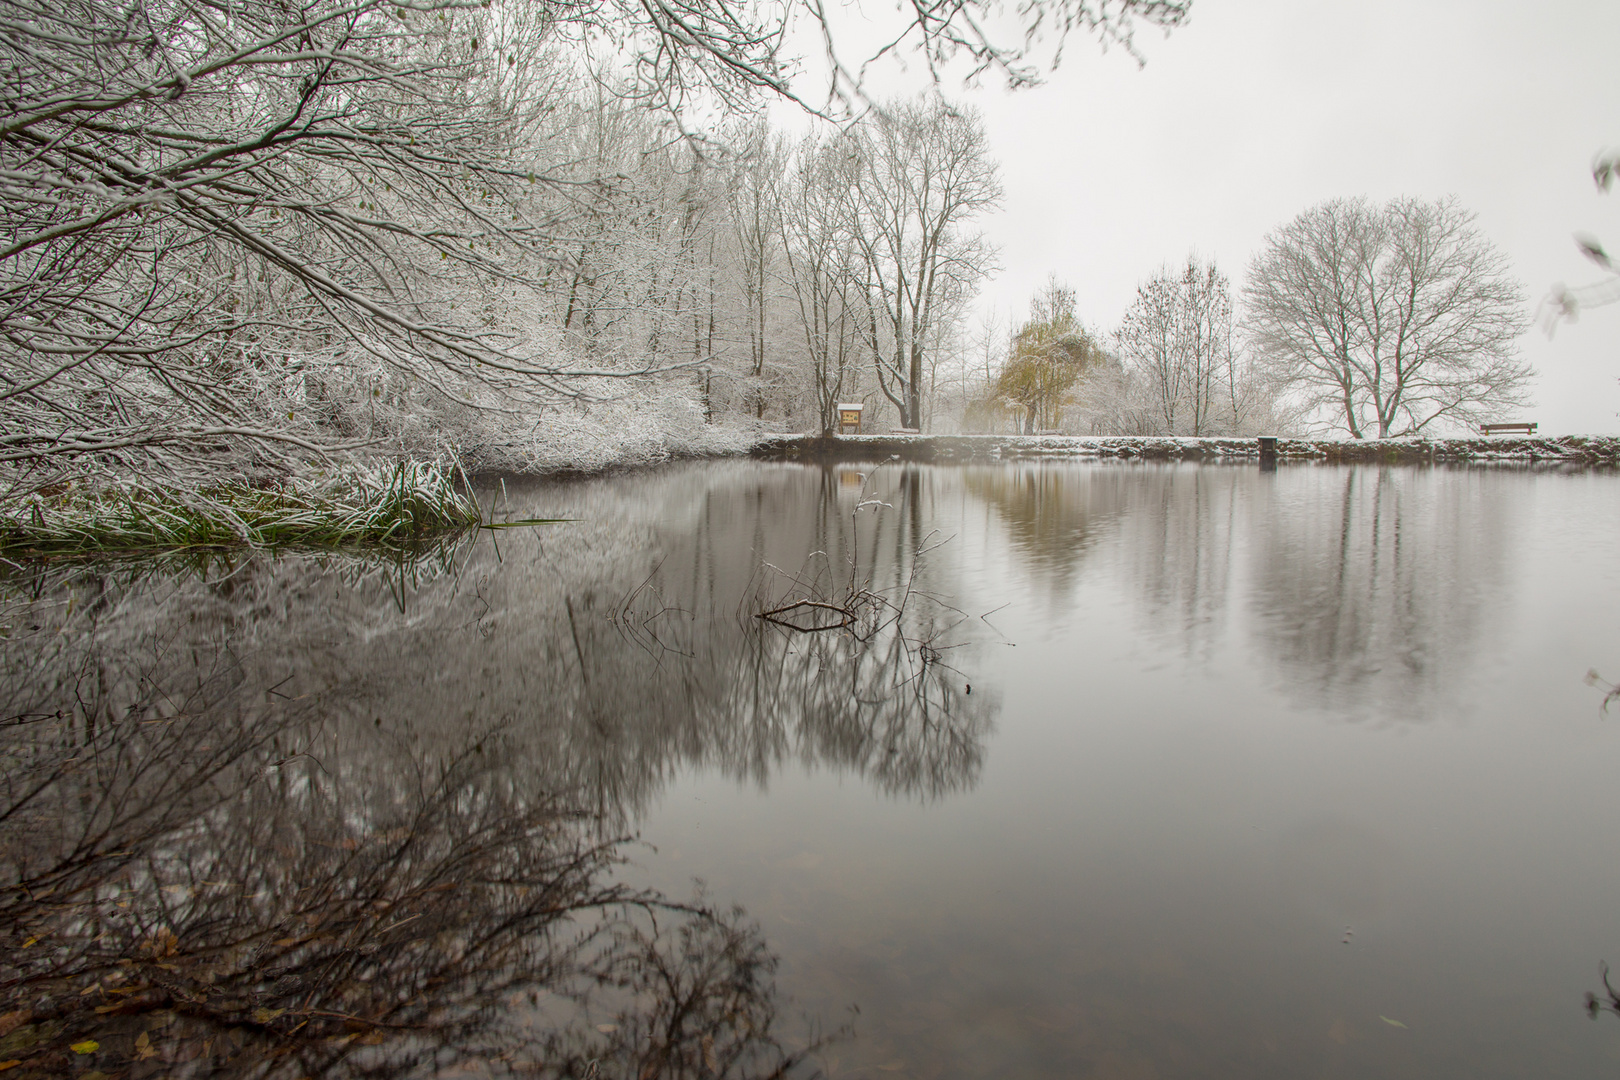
[(846, 616)]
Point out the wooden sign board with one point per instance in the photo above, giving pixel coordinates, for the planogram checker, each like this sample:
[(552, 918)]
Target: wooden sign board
[(849, 418)]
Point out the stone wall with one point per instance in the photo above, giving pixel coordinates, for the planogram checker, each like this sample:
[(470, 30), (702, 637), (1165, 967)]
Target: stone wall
[(1571, 449)]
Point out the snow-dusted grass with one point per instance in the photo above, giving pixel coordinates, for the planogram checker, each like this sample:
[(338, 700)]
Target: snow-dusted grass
[(380, 504)]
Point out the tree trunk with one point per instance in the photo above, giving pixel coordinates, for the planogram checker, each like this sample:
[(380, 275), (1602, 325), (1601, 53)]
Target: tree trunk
[(914, 387)]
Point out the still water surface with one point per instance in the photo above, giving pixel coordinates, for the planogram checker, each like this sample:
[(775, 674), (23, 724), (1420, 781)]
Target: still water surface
[(1134, 771)]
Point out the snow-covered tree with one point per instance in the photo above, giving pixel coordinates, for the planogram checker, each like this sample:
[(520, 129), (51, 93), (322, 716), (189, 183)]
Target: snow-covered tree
[(925, 173)]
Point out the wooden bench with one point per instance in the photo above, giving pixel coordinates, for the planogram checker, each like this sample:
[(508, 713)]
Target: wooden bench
[(1518, 428)]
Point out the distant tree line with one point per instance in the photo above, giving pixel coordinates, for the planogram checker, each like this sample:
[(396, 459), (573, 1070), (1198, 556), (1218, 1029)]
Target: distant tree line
[(1373, 321)]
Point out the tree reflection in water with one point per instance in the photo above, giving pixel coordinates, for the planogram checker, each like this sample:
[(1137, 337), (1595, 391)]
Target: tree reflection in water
[(1054, 515), (1364, 584), (322, 817), (205, 881), (878, 697), (1382, 599)]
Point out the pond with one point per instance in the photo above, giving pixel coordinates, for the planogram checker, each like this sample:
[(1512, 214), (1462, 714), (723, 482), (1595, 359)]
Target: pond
[(1067, 769)]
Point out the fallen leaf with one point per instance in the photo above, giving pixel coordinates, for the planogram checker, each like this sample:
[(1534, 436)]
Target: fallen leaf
[(12, 1064), (1391, 1023), (262, 1015), (143, 1047), (89, 1046), (607, 1029)]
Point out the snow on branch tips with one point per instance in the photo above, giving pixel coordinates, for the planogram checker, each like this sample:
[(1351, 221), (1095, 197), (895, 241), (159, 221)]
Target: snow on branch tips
[(227, 222)]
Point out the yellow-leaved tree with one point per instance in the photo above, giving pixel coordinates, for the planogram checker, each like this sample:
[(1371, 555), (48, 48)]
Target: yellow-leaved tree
[(1049, 356)]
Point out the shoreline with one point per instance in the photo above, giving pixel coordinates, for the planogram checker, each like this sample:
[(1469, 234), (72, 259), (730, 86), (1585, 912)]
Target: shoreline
[(409, 503), (1590, 451)]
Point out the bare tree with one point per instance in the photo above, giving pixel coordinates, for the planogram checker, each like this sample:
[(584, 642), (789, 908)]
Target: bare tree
[(991, 341), (1177, 336), (1391, 317), (947, 362), (822, 268), (925, 173), (756, 223), (976, 32)]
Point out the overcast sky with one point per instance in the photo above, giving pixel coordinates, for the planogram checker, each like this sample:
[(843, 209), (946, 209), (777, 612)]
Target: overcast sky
[(1255, 110)]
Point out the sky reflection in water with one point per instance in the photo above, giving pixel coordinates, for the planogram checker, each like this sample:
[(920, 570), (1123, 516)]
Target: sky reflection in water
[(1159, 771)]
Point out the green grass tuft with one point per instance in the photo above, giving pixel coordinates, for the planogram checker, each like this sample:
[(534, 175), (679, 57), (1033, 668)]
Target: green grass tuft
[(397, 505)]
